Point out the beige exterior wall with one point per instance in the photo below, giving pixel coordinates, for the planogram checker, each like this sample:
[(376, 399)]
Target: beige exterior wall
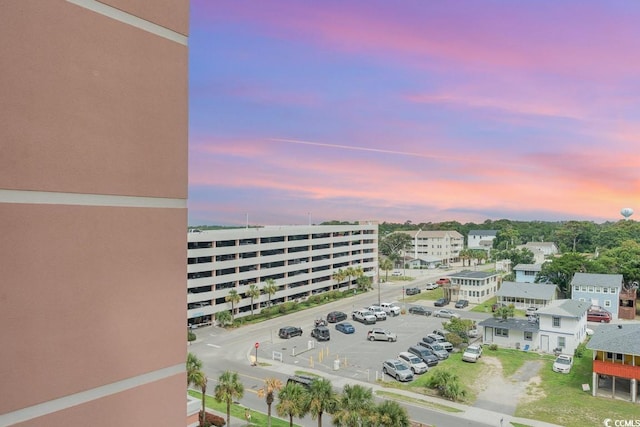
[(93, 187)]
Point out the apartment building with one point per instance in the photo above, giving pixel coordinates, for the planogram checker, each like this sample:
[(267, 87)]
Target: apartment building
[(300, 259), (93, 188), (444, 246)]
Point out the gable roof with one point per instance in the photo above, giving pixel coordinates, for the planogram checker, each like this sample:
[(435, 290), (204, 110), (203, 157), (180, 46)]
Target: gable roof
[(542, 291), (540, 244), (565, 308), (511, 323), (594, 279), (528, 267), (493, 233), (624, 338), (471, 274)]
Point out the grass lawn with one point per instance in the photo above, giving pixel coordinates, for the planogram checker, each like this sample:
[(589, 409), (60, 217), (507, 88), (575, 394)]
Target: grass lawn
[(485, 307), (237, 411)]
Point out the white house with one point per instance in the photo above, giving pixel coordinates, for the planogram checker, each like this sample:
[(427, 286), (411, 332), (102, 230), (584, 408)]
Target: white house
[(481, 239), (562, 325), (474, 286), (512, 332), (527, 272), (523, 295), (541, 250)]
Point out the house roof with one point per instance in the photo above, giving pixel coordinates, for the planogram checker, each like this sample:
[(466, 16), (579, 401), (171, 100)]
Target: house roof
[(528, 267), (540, 244), (565, 308), (493, 233), (611, 280), (429, 259), (437, 234), (471, 274), (622, 338), (541, 291), (511, 323)]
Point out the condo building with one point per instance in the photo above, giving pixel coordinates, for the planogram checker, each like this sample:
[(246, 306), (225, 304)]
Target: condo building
[(93, 189), (435, 246), (300, 260)]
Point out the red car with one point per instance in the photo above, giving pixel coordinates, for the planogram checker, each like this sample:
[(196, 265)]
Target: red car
[(601, 316), (442, 281)]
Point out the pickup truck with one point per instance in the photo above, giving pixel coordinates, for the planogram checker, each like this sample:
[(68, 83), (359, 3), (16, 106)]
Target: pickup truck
[(364, 316), (390, 308)]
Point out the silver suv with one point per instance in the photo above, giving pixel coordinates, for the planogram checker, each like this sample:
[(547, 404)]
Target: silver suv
[(377, 334), (439, 339), (415, 363), (437, 349), (364, 316), (397, 370)]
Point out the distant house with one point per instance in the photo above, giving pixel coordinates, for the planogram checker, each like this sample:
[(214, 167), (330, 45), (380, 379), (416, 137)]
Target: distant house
[(481, 239), (616, 360), (527, 272), (474, 286), (541, 250), (598, 289), (523, 295), (563, 325)]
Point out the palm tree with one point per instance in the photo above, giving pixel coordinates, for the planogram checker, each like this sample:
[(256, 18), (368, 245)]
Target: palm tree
[(224, 318), (349, 272), (233, 297), (228, 389), (322, 399), (293, 401), (392, 414), (364, 283), (339, 276), (465, 255), (253, 292), (385, 265), (356, 405), (197, 378), (271, 385), (270, 288)]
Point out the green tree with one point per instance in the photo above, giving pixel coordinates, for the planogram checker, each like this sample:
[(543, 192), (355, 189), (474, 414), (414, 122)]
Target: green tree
[(224, 318), (228, 389), (392, 414), (516, 256), (465, 255), (253, 292), (293, 399), (560, 271), (197, 378), (459, 327), (624, 260), (504, 312), (447, 383), (575, 236), (385, 264), (268, 390), (270, 288), (506, 238), (356, 404), (339, 276), (364, 283), (394, 244), (322, 399), (233, 297)]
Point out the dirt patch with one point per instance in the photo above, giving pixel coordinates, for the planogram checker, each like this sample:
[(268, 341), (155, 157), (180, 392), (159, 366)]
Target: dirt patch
[(503, 394)]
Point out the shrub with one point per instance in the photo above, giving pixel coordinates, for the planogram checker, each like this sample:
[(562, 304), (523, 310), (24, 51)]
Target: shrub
[(213, 420), (582, 347), (493, 347), (191, 336), (447, 384)]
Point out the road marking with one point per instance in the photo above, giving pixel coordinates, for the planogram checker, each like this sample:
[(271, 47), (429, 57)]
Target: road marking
[(213, 345)]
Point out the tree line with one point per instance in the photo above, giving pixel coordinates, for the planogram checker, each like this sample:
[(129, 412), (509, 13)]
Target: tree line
[(353, 407)]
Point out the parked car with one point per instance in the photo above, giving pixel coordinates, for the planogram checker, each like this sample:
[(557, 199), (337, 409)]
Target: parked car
[(431, 286), (377, 334), (563, 364), (448, 314), (473, 333), (433, 338), (418, 309), (412, 291), (462, 303), (336, 316), (437, 349), (364, 316), (390, 308), (531, 311), (440, 332), (472, 353), (442, 281), (441, 302), (378, 312), (345, 328), (397, 273), (397, 370), (321, 333), (415, 363), (304, 380), (425, 354), (289, 331), (602, 316)]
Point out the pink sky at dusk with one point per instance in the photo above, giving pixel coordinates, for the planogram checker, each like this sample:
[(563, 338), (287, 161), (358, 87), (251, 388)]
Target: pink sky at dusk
[(413, 110)]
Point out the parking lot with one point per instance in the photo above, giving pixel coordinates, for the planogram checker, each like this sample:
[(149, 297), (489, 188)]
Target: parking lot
[(352, 354)]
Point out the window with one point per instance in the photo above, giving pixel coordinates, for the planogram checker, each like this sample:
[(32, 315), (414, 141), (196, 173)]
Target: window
[(528, 336), (556, 322), (501, 332), (591, 289), (607, 303), (598, 289), (576, 288), (561, 342), (605, 290), (583, 288)]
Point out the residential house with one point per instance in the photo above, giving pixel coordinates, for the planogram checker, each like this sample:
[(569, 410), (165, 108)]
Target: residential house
[(562, 325), (599, 290), (445, 246), (616, 360), (481, 239), (523, 295), (511, 332), (527, 272), (541, 250), (474, 286)]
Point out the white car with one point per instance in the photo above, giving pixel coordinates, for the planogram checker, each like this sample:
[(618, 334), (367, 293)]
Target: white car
[(531, 311), (378, 311), (397, 273), (563, 364), (472, 353), (390, 308), (431, 286), (445, 313)]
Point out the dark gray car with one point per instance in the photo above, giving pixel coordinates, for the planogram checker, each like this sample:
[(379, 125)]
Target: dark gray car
[(425, 354)]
